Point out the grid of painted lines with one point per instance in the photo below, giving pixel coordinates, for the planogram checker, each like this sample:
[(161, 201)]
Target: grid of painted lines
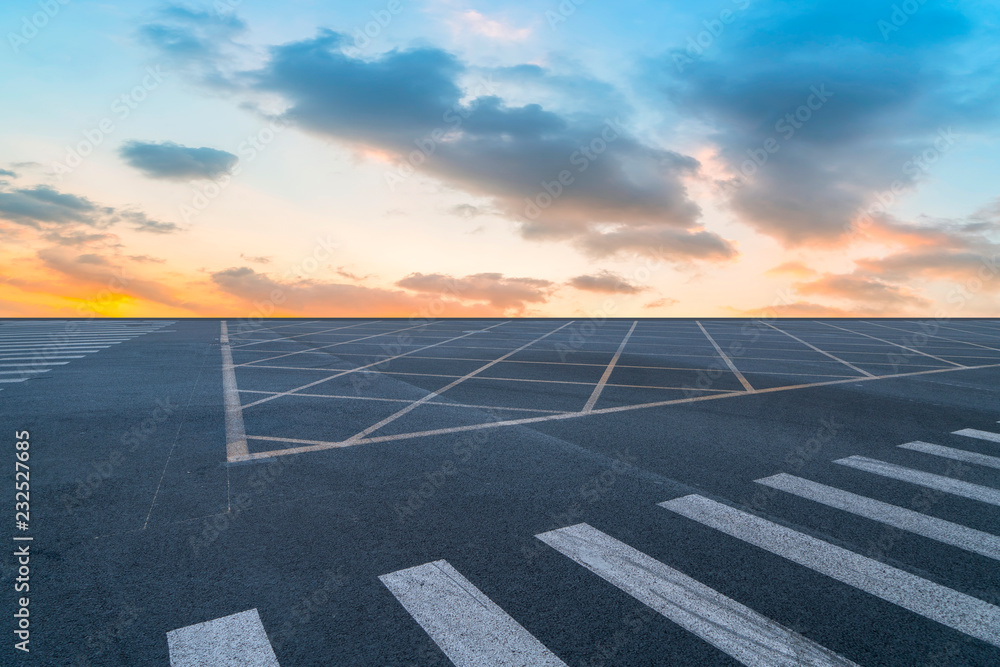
[(396, 379), (29, 348), (472, 630)]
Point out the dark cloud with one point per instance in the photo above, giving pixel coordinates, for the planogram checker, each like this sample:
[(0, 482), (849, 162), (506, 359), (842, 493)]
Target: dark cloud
[(605, 282), (877, 104), (69, 219), (419, 106), (8, 173), (172, 161), (667, 244), (493, 288)]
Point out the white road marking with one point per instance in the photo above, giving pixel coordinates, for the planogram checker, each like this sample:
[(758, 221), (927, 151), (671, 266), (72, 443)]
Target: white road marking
[(310, 333), (468, 627), (733, 628), (11, 380), (889, 342), (607, 371), (27, 370), (729, 362), (955, 487), (343, 342), (981, 435), (39, 359), (846, 363), (40, 363), (923, 333), (951, 608), (931, 527), (954, 454), (447, 404), (354, 370), (238, 640), (236, 437), (319, 446), (434, 394)]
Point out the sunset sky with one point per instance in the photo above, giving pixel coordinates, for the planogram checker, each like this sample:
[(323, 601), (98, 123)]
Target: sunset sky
[(579, 158)]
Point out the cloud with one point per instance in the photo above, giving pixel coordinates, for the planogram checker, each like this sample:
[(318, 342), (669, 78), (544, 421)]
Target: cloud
[(426, 111), (100, 273), (795, 269), (660, 243), (493, 288), (605, 282), (478, 24), (815, 112), (864, 290), (172, 161), (795, 309), (8, 173), (665, 302), (468, 211), (261, 259), (338, 299), (68, 218)]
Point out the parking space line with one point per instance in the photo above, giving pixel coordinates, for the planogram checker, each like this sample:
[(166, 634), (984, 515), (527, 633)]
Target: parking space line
[(729, 362), (976, 433), (846, 363), (434, 394), (889, 342), (949, 607), (465, 624), (236, 438), (953, 340), (238, 640), (733, 628), (924, 525), (955, 454), (447, 404), (324, 347), (359, 368), (599, 411), (607, 371), (311, 333), (950, 485)]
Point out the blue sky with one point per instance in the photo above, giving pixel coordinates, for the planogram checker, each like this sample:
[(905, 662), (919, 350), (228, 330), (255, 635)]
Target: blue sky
[(401, 157)]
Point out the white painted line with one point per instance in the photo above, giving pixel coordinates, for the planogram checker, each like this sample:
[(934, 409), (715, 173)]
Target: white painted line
[(310, 333), (344, 342), (27, 370), (889, 342), (41, 363), (846, 363), (354, 370), (447, 404), (238, 640), (10, 380), (729, 362), (976, 433), (923, 333), (955, 487), (319, 446), (931, 527), (74, 347), (236, 437), (607, 371), (39, 359), (731, 627), (434, 394), (954, 454), (951, 608), (468, 627)]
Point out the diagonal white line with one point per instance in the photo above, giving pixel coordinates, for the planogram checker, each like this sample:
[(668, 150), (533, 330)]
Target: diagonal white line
[(311, 333), (954, 454), (319, 446), (236, 438), (953, 340), (956, 487), (361, 368), (976, 433), (607, 371), (849, 365), (343, 342), (434, 394), (889, 342), (729, 362)]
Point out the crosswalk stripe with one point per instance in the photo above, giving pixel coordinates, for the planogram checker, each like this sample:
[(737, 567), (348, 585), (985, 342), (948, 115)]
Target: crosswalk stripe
[(954, 454), (26, 370), (468, 627), (940, 530), (956, 487), (731, 627), (951, 608), (10, 380), (976, 433), (238, 640)]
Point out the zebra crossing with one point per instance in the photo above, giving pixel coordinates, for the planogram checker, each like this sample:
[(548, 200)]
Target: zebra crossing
[(473, 631), (29, 348)]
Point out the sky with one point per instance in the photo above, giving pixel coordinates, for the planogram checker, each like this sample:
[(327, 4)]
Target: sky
[(545, 158)]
